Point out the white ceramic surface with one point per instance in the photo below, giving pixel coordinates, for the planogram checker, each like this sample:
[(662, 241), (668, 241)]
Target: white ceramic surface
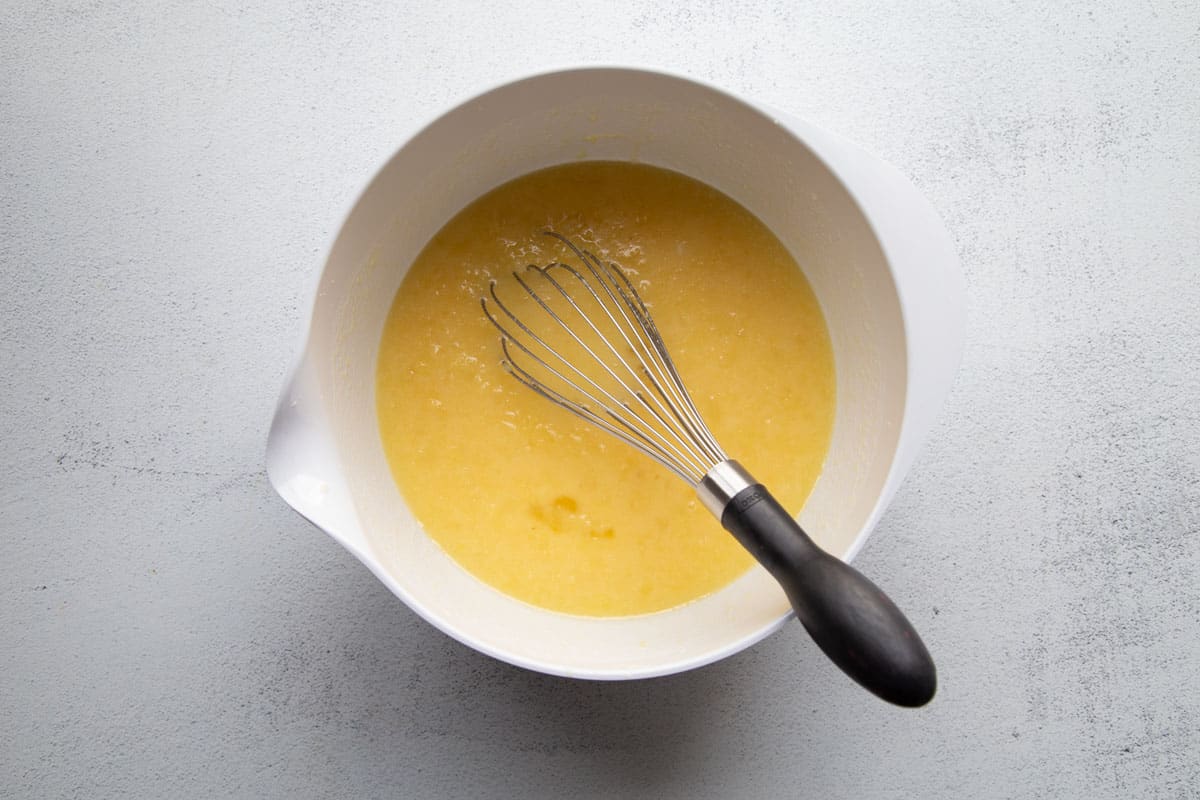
[(873, 249)]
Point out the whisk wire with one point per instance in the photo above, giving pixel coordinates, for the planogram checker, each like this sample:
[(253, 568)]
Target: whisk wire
[(694, 421), (697, 454), (664, 373), (626, 435), (647, 404), (649, 440)]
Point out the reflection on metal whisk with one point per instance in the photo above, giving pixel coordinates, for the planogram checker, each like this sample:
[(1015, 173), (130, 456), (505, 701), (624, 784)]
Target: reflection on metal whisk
[(595, 350), (638, 396)]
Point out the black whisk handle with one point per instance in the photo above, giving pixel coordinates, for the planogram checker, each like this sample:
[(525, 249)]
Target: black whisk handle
[(848, 616)]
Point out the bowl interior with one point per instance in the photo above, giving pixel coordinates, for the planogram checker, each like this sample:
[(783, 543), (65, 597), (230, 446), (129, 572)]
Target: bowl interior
[(619, 115)]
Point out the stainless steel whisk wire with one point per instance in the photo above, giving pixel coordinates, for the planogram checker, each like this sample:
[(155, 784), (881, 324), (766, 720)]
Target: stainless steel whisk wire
[(677, 438)]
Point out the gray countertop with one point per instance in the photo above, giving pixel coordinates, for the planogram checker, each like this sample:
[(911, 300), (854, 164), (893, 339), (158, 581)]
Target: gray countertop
[(170, 175)]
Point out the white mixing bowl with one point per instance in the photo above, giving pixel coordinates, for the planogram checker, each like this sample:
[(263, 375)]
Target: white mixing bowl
[(875, 252)]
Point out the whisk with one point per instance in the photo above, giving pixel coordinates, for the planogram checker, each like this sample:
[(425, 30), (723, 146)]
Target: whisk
[(592, 348)]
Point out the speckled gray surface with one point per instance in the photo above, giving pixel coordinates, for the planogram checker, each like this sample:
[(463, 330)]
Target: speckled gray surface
[(169, 177)]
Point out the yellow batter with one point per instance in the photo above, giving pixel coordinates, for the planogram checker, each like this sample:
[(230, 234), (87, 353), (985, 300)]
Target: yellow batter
[(539, 504)]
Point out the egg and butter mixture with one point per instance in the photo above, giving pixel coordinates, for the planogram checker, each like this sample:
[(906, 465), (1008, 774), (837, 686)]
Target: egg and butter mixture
[(541, 505)]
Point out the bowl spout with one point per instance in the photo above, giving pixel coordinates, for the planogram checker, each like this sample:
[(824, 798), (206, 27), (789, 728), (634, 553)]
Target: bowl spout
[(303, 465)]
